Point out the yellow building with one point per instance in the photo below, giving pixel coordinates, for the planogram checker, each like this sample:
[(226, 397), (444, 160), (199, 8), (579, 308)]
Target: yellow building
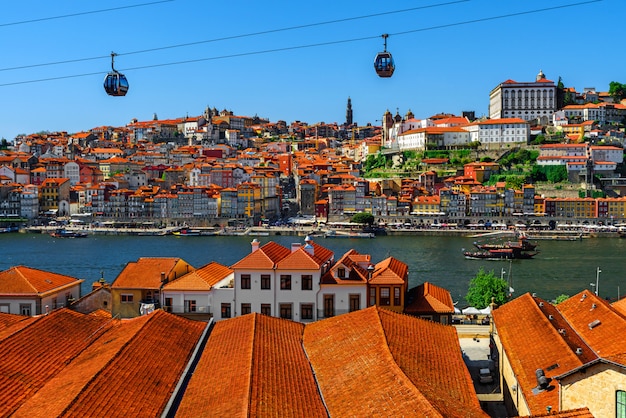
[(137, 289)]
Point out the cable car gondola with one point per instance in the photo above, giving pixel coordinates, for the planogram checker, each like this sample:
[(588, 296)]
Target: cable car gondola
[(383, 64), (115, 83)]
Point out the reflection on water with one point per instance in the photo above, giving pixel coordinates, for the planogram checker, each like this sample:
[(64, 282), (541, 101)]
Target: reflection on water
[(561, 267)]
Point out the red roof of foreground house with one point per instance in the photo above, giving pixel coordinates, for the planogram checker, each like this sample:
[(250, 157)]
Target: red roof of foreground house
[(202, 279), (557, 339), (21, 280), (145, 273), (263, 258), (429, 298), (356, 364), (368, 361), (91, 366), (269, 374)]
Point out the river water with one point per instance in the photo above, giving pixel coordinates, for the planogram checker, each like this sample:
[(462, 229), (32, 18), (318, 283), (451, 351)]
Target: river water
[(561, 267)]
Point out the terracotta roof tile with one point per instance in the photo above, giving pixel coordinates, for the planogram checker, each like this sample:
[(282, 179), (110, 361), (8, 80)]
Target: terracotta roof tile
[(10, 324), (310, 257), (26, 366), (203, 278), (390, 271), (145, 273), (356, 371), (532, 342), (139, 380), (429, 298), (596, 322), (264, 258), (433, 364), (269, 372), (26, 280)]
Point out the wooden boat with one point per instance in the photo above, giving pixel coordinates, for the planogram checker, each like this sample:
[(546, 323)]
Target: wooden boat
[(522, 244), (499, 254)]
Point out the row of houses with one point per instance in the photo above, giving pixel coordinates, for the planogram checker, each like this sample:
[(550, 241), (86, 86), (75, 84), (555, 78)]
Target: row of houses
[(548, 360)]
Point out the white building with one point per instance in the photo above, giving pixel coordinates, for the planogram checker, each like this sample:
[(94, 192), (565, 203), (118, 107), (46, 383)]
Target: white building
[(524, 100), (192, 294), (42, 291), (278, 281), (499, 132)]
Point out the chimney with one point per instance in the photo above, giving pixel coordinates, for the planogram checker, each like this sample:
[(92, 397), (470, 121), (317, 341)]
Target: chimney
[(308, 246), (295, 246), (163, 279), (255, 244)]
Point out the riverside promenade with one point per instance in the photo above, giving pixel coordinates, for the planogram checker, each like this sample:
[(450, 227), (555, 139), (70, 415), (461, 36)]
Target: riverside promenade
[(568, 235)]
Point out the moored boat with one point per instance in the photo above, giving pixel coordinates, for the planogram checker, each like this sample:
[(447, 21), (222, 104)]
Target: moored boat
[(499, 254), (522, 244), (64, 233)]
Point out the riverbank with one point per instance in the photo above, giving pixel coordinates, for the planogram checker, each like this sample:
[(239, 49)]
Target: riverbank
[(567, 235)]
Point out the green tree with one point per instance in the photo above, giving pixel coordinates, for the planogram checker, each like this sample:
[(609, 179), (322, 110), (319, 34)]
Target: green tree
[(556, 173), (484, 287), (561, 298), (362, 218), (617, 91)]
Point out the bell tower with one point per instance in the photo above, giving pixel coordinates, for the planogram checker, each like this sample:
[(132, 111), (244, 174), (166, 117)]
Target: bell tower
[(349, 112)]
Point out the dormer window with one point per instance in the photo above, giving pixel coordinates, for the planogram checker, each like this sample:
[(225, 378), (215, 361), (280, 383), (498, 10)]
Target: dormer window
[(341, 272)]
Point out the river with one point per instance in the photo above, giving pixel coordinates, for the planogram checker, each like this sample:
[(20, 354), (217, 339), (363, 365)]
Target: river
[(561, 267)]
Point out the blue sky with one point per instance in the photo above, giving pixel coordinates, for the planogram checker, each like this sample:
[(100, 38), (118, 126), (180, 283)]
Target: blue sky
[(443, 63)]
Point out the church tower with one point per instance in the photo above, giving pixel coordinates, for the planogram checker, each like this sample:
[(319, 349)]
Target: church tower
[(349, 112)]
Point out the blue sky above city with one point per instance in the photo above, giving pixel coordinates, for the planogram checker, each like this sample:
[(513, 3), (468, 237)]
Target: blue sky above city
[(286, 60)]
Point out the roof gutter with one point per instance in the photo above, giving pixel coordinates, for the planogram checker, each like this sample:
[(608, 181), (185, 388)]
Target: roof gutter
[(172, 405)]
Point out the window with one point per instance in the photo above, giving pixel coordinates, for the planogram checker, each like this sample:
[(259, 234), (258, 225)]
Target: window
[(190, 305), (245, 308), (266, 309), (225, 310), (245, 281), (396, 296), (285, 310), (329, 306), (25, 309), (355, 302), (266, 282), (306, 311), (127, 298), (341, 272), (372, 296), (384, 296), (307, 282), (620, 404), (285, 282)]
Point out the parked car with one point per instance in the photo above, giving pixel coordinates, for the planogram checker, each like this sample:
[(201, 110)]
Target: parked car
[(485, 376)]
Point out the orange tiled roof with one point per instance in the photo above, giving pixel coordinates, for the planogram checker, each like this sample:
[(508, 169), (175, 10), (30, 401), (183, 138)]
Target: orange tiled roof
[(390, 271), (269, 374), (145, 273), (264, 258), (36, 354), (586, 308), (142, 375), (537, 342), (203, 278), (432, 364), (29, 281), (362, 368), (303, 259), (430, 298)]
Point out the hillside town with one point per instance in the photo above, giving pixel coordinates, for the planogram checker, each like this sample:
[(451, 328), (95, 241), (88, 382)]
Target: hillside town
[(220, 167), (300, 330)]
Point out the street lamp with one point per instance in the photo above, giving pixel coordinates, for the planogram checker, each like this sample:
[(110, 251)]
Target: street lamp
[(596, 286)]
